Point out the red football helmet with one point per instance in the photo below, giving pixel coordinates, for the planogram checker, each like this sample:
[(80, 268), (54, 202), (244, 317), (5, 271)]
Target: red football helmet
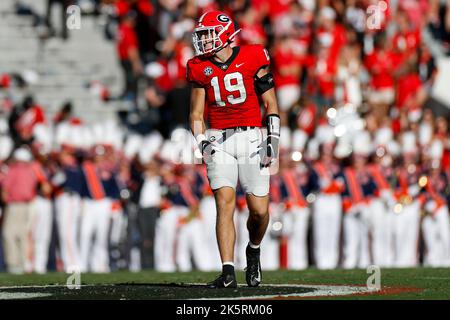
[(214, 31)]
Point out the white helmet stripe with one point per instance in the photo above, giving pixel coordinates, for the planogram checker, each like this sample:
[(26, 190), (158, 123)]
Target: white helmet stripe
[(234, 34), (225, 28), (201, 18)]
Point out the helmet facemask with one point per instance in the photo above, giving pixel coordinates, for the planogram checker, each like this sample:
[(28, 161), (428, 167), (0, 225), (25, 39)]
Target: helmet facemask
[(206, 40)]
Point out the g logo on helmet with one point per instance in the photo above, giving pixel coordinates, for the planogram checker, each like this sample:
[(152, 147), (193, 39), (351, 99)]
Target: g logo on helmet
[(222, 18)]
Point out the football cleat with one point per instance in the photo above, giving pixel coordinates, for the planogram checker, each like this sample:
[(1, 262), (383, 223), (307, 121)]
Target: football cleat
[(253, 274), (223, 281)]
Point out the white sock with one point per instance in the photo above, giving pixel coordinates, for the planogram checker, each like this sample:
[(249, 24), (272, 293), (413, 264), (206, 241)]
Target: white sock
[(253, 246), (228, 263)]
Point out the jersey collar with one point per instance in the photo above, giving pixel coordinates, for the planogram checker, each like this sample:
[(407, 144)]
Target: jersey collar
[(226, 64)]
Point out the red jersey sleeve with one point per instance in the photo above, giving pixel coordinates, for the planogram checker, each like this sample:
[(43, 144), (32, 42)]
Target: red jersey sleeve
[(260, 57), (192, 74)]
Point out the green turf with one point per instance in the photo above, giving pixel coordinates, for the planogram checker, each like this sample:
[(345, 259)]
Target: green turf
[(434, 283)]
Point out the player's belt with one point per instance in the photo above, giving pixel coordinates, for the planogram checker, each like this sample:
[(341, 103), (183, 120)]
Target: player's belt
[(240, 128)]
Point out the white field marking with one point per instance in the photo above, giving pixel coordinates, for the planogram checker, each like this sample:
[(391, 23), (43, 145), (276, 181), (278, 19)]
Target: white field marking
[(22, 295), (50, 286), (28, 295), (320, 291)]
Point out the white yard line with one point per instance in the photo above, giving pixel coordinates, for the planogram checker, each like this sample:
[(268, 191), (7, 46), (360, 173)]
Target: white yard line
[(320, 291), (51, 286), (22, 295)]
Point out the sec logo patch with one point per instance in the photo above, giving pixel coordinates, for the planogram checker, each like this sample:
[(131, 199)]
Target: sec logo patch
[(208, 71)]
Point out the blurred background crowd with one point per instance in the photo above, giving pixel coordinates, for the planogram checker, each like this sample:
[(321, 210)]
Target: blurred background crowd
[(364, 155)]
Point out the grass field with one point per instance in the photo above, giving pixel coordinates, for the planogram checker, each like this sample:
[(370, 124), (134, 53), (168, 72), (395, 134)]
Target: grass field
[(420, 283)]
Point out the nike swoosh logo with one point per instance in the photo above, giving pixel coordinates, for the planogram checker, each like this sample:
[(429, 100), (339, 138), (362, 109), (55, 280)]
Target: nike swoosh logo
[(227, 284), (238, 65)]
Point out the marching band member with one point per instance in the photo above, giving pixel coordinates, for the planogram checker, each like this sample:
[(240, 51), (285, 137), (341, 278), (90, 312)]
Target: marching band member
[(190, 240), (294, 190), (327, 208), (42, 215), (435, 224), (166, 225), (382, 204), (68, 181), (356, 202), (407, 210), (95, 219)]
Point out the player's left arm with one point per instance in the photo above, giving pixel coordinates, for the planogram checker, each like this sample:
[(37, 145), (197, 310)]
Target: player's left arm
[(264, 80), (265, 87)]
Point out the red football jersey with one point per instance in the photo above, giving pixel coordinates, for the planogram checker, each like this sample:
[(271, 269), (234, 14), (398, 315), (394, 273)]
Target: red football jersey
[(231, 99)]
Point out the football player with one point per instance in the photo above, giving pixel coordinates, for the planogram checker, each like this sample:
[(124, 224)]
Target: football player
[(228, 84)]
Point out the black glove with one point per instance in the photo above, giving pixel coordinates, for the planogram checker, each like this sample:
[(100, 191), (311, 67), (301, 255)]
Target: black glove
[(206, 148)]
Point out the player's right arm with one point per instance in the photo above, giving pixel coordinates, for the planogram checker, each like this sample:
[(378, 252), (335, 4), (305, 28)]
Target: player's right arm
[(196, 117), (196, 120)]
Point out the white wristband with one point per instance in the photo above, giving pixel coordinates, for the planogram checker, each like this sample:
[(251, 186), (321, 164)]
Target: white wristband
[(273, 124)]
